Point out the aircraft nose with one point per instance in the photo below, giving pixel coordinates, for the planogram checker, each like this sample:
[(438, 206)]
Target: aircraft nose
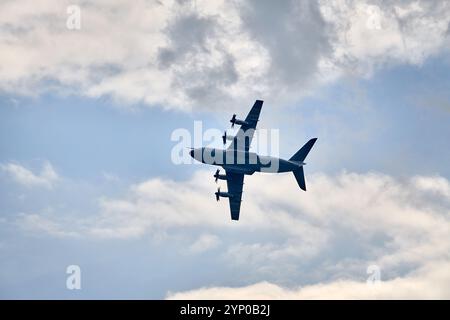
[(191, 153)]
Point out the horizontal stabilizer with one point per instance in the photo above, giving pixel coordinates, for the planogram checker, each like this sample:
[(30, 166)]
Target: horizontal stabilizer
[(300, 177)]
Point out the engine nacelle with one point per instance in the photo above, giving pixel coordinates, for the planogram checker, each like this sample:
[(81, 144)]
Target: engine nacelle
[(220, 176), (237, 121), (222, 194)]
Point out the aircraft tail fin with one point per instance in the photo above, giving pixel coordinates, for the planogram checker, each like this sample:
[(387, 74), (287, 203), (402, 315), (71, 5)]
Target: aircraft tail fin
[(301, 154), (300, 177), (299, 157)]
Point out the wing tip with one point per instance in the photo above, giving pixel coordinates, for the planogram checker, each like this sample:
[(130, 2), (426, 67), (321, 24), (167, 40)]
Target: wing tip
[(258, 103)]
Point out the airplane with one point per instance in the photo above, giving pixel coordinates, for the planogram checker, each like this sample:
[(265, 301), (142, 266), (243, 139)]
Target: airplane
[(238, 161)]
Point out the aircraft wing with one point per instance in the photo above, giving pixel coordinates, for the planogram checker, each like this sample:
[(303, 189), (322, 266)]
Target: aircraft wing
[(235, 183), (244, 136)]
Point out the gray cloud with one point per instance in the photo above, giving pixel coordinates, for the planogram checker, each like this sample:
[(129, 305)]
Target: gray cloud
[(214, 53), (206, 85), (187, 35), (295, 35)]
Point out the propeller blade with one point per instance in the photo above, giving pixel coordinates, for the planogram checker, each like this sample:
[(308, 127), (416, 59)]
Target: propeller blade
[(233, 120), (218, 194), (216, 175), (224, 138)]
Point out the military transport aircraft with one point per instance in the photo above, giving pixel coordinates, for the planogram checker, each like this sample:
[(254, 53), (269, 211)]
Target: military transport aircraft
[(238, 161)]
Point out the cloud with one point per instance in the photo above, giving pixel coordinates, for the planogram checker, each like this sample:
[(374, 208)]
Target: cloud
[(110, 177), (46, 178), (430, 282), (38, 224), (296, 38), (322, 240), (204, 243), (437, 185), (371, 34), (210, 54)]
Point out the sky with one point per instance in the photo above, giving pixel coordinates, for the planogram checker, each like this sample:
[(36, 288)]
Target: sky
[(93, 95)]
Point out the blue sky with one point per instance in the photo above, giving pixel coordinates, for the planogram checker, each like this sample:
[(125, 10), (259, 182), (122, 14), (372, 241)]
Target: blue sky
[(86, 175), (88, 137)]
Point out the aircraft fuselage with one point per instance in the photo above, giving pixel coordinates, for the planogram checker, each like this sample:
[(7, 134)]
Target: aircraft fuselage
[(244, 162)]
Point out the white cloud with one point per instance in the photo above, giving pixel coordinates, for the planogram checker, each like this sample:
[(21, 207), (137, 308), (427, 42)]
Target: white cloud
[(215, 53), (39, 224), (437, 185), (372, 34), (110, 177), (46, 178), (342, 224), (430, 282), (204, 243)]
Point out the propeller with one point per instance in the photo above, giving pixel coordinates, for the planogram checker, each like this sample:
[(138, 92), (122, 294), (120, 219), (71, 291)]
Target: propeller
[(224, 138), (216, 175), (233, 120), (217, 194)]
